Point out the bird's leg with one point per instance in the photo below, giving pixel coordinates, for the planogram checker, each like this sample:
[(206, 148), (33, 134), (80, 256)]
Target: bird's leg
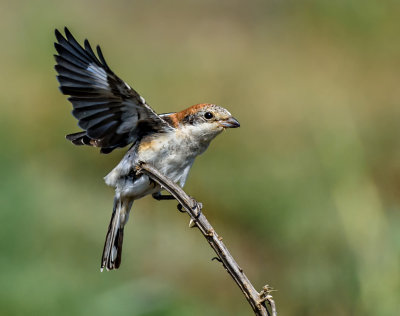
[(159, 197)]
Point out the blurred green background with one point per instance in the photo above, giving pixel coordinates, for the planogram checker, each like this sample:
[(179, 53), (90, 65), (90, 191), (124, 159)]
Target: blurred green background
[(305, 193)]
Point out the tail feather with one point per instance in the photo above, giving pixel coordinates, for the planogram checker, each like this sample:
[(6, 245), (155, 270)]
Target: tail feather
[(79, 139), (112, 252)]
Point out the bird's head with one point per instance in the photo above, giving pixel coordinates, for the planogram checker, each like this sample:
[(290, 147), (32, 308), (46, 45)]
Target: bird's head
[(204, 121)]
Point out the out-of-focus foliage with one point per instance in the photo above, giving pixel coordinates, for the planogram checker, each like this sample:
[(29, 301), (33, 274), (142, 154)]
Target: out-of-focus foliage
[(305, 193)]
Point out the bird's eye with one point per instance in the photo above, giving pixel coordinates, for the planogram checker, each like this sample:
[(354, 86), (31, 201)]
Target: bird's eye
[(208, 115)]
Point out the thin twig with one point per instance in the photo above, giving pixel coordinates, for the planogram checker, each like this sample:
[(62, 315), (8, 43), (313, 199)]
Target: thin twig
[(193, 208)]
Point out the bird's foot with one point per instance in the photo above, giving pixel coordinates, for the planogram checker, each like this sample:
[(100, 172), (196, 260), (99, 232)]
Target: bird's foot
[(160, 197), (180, 208)]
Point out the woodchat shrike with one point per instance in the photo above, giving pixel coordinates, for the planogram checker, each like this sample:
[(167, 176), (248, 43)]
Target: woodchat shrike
[(114, 115)]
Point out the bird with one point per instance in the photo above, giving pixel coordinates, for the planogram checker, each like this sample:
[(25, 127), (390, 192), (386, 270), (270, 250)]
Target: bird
[(113, 115)]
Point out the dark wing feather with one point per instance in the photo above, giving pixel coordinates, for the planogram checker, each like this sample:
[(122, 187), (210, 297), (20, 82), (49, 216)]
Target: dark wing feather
[(109, 111)]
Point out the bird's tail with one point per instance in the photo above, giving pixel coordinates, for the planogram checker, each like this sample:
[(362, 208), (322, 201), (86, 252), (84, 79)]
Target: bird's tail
[(111, 258)]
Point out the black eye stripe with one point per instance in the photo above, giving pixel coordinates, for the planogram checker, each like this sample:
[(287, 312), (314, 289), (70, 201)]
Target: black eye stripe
[(188, 119), (208, 115)]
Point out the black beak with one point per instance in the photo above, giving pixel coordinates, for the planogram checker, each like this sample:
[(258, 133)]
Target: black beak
[(230, 123)]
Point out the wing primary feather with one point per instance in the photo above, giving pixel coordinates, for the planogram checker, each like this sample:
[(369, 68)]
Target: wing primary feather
[(66, 64), (58, 34), (95, 102), (90, 113), (101, 57), (70, 79), (77, 46), (66, 74), (90, 52), (66, 55), (78, 53), (63, 45)]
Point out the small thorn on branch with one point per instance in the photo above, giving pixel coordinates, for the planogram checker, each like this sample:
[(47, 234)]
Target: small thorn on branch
[(265, 296), (210, 233)]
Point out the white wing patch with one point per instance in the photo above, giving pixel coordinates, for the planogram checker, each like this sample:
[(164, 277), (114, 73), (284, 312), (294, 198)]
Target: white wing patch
[(99, 75)]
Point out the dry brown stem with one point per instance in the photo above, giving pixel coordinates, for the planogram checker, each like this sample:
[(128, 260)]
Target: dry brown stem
[(193, 208)]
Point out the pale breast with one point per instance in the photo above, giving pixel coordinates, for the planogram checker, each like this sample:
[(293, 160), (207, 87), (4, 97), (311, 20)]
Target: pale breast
[(170, 153)]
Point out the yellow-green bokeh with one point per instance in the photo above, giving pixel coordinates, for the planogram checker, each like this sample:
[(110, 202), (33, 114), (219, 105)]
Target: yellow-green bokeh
[(306, 193)]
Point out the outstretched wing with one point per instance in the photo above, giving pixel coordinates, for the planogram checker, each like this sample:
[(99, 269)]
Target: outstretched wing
[(109, 111)]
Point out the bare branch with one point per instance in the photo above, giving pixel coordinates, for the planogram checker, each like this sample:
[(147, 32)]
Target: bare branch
[(193, 208)]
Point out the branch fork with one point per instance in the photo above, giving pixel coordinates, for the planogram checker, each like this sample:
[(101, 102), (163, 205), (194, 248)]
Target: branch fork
[(193, 208)]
